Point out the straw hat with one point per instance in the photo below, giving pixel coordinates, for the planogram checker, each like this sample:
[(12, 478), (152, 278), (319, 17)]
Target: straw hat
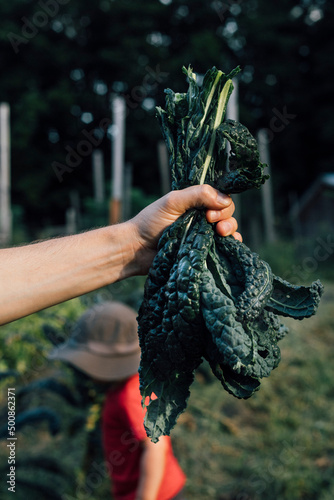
[(104, 343)]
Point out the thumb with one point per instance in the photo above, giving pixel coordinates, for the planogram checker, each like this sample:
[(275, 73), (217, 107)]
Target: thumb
[(200, 196)]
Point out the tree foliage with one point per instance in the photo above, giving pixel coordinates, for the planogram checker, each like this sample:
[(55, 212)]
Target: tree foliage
[(61, 60)]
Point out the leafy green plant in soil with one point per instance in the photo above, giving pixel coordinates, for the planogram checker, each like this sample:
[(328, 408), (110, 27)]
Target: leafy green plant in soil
[(208, 297)]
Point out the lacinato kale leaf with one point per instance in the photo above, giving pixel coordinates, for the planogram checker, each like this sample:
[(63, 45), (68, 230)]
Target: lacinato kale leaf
[(208, 297), (298, 302)]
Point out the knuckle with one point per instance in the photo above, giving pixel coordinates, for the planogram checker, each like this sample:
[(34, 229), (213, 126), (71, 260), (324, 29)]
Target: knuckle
[(207, 192), (171, 198)]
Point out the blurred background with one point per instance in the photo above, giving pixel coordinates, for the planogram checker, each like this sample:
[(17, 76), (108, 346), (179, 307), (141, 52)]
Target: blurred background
[(80, 147), (62, 61)]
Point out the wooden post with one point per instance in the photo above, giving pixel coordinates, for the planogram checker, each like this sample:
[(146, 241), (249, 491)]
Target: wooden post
[(295, 218), (118, 153), (232, 113), (266, 189), (98, 176), (5, 207), (164, 167), (71, 220), (74, 216), (232, 110), (126, 206)]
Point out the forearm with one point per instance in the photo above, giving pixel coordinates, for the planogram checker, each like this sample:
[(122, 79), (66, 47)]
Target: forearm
[(152, 467), (36, 276), (39, 275)]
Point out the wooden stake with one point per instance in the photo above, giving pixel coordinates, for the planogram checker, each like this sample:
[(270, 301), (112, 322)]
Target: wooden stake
[(232, 113), (115, 211), (5, 204), (98, 176), (164, 167), (266, 189), (118, 153)]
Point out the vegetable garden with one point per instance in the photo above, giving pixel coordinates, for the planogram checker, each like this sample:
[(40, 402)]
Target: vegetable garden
[(278, 444)]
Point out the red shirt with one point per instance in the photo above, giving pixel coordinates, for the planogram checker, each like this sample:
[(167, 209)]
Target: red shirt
[(123, 433)]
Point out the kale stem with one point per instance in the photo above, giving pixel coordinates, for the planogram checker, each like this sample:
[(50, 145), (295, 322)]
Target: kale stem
[(210, 97), (208, 101), (191, 89), (186, 230), (223, 98), (222, 102)]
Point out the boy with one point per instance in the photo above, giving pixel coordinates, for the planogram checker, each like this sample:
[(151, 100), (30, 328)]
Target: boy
[(104, 345)]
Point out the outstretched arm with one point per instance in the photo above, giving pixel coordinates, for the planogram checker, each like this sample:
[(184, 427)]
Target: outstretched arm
[(39, 275)]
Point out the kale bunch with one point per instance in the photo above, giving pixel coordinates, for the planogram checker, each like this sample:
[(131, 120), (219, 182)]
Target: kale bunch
[(206, 296)]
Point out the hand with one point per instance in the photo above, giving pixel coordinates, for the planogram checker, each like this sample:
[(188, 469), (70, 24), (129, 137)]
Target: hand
[(151, 222)]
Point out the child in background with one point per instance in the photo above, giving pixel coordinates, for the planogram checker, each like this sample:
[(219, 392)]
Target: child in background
[(104, 345)]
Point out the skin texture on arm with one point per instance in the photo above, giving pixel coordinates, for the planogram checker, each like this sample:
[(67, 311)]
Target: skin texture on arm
[(39, 275), (152, 466)]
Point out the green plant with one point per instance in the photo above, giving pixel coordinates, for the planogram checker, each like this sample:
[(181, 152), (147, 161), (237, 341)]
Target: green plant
[(207, 296), (56, 428)]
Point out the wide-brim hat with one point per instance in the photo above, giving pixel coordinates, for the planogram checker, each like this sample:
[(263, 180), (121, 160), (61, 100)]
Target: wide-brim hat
[(103, 343)]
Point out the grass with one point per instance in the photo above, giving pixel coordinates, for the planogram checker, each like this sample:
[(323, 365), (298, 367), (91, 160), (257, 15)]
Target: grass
[(277, 445)]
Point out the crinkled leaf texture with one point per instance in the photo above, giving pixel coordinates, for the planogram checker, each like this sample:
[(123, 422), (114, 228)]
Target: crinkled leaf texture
[(166, 400), (208, 297), (298, 302)]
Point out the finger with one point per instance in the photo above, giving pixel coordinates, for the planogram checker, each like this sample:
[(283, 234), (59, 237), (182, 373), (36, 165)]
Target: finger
[(227, 227), (237, 236), (178, 202), (217, 215)]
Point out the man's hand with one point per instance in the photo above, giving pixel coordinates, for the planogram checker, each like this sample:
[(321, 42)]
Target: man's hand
[(151, 222)]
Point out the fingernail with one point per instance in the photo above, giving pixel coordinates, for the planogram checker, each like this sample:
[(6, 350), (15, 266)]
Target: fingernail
[(215, 215), (223, 199)]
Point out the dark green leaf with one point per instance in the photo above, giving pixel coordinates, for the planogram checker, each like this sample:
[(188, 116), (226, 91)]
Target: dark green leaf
[(295, 301)]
